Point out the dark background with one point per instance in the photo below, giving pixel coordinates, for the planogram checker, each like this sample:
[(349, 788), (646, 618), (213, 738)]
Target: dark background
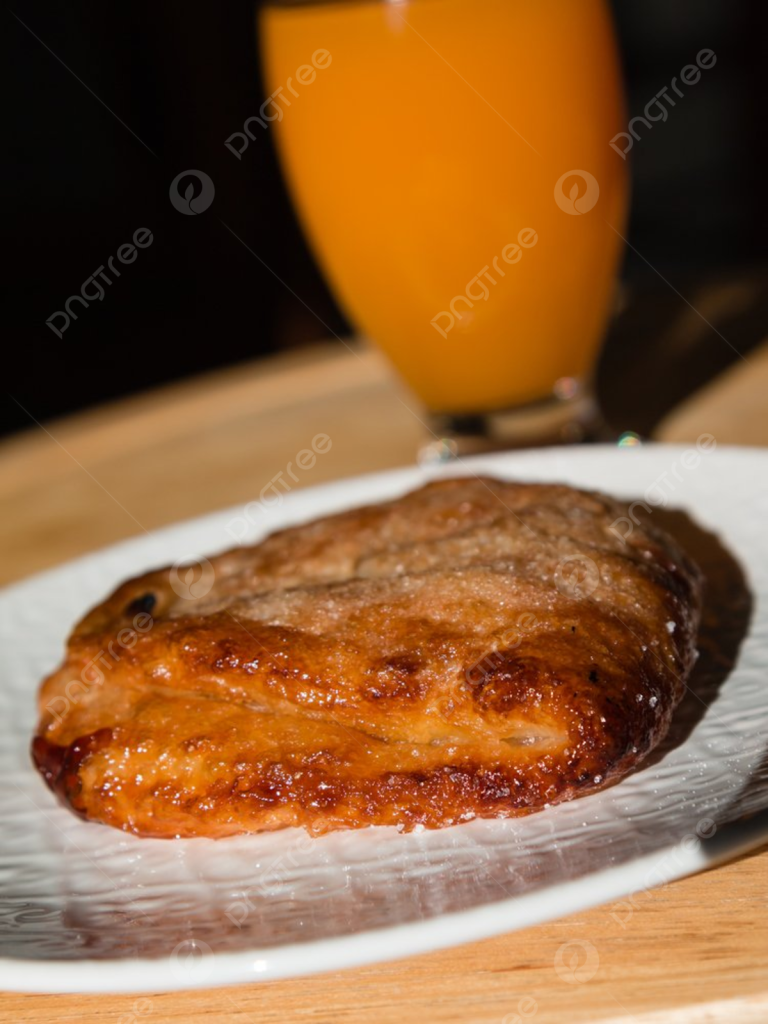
[(183, 77)]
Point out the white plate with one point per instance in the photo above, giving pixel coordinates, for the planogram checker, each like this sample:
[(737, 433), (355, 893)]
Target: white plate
[(87, 908)]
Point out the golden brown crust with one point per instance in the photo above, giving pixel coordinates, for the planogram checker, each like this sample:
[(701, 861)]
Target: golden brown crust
[(477, 648)]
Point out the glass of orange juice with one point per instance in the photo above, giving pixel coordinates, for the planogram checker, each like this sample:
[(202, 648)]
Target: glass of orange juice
[(450, 162)]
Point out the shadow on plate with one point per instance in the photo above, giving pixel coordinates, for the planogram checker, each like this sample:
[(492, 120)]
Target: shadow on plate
[(726, 614)]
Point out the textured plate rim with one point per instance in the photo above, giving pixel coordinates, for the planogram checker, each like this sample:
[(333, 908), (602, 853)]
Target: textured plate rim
[(132, 975)]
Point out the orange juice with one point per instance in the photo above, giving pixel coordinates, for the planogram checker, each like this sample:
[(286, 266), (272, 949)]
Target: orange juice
[(428, 145)]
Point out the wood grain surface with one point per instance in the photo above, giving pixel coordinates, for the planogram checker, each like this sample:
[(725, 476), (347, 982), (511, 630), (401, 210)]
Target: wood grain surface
[(692, 951)]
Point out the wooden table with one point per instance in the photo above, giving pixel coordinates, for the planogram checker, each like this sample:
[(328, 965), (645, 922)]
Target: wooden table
[(694, 951)]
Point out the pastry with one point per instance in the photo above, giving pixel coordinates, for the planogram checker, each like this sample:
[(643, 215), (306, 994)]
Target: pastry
[(476, 648)]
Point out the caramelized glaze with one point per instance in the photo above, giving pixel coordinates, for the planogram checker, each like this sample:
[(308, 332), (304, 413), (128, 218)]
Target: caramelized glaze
[(477, 648)]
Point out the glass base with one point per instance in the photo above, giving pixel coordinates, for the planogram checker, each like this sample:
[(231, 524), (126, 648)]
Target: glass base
[(570, 416)]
